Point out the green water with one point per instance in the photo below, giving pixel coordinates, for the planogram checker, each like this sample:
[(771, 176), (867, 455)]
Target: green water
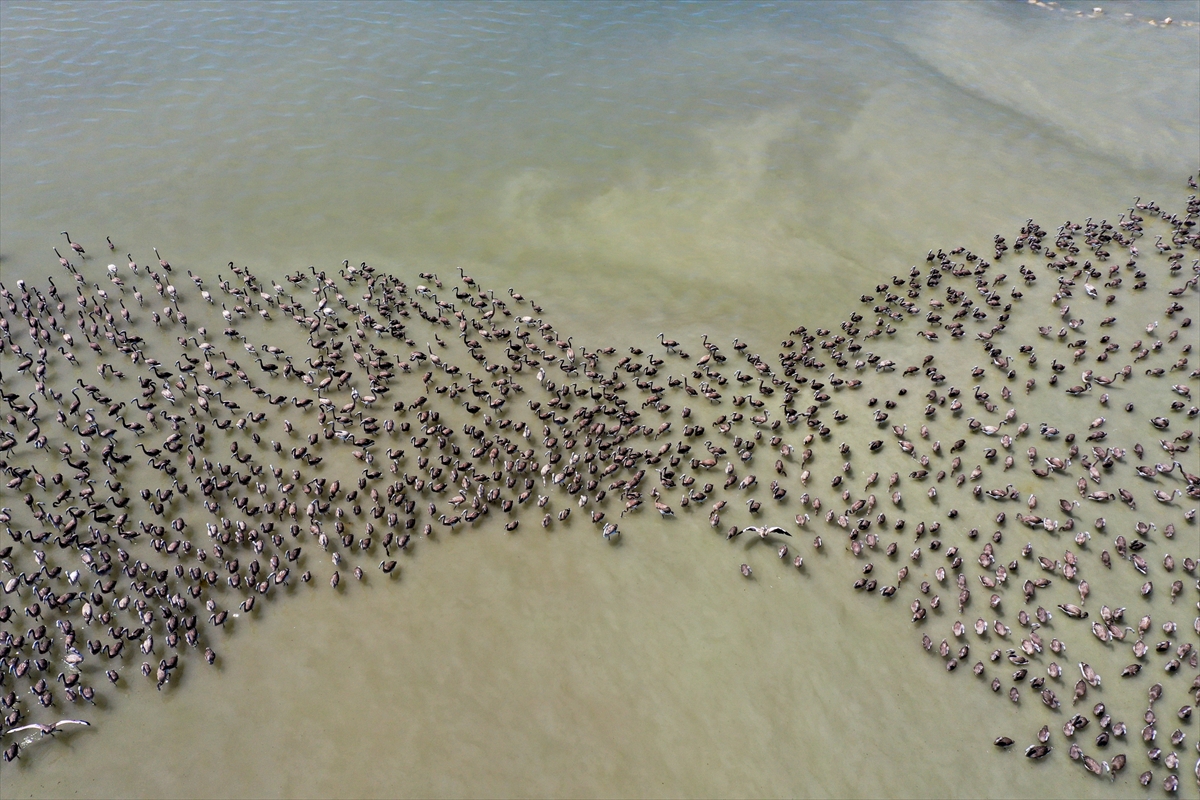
[(721, 169)]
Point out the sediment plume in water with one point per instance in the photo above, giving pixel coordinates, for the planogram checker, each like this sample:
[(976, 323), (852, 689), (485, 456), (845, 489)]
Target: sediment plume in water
[(171, 467)]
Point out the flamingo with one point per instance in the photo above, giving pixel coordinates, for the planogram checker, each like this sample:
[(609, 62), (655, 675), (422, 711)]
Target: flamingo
[(76, 246)]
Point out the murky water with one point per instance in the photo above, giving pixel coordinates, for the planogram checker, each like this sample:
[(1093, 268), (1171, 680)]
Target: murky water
[(730, 170)]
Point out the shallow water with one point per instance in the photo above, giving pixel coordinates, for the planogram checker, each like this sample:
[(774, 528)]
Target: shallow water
[(733, 170)]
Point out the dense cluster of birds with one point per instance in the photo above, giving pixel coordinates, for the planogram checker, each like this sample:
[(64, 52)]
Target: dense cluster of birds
[(179, 450)]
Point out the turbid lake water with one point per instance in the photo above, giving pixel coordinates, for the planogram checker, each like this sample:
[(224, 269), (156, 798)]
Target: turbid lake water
[(729, 170)]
